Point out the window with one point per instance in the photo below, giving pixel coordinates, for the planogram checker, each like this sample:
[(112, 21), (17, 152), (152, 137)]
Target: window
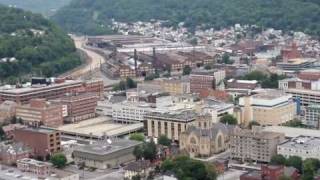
[(219, 141)]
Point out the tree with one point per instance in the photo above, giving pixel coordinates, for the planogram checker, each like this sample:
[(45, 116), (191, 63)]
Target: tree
[(194, 41), (137, 137), (138, 152), (255, 75), (310, 167), (136, 177), (167, 165), (186, 70), (59, 160), (164, 140), (185, 168), (226, 59), (278, 160), (228, 119), (131, 83), (207, 67), (295, 161), (150, 150)]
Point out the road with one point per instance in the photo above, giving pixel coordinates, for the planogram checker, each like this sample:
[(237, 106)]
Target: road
[(92, 62), (92, 66)]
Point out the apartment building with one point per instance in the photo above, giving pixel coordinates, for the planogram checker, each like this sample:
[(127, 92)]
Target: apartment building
[(203, 80), (40, 112), (43, 142), (267, 107), (38, 168), (302, 146), (78, 107), (54, 90), (254, 144), (171, 124)]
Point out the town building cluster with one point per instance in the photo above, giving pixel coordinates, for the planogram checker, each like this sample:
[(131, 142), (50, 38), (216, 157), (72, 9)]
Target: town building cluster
[(224, 96)]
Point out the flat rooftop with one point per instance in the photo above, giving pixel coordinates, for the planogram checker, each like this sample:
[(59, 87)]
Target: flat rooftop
[(39, 130), (99, 127), (103, 147), (302, 142), (269, 94), (182, 116), (28, 89), (292, 132), (259, 134)]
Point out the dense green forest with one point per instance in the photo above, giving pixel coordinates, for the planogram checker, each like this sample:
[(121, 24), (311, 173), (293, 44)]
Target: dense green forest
[(45, 7), (38, 46), (90, 17)]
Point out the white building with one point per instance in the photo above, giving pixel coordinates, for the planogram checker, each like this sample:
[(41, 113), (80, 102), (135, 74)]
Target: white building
[(302, 146), (216, 109), (130, 111)]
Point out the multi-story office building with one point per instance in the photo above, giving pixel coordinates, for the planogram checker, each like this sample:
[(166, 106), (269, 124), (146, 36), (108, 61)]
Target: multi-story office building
[(170, 124), (306, 97), (312, 116), (78, 107), (254, 144), (40, 112), (130, 112), (43, 142), (302, 146), (269, 107), (54, 90), (307, 90), (203, 80)]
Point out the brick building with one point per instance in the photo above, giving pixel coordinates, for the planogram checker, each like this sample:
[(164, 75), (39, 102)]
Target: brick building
[(78, 107), (40, 112), (54, 90), (200, 80), (271, 172), (43, 142)]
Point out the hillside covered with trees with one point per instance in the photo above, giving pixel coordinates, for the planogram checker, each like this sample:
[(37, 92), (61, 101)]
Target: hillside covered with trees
[(32, 45), (92, 17), (45, 7)]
